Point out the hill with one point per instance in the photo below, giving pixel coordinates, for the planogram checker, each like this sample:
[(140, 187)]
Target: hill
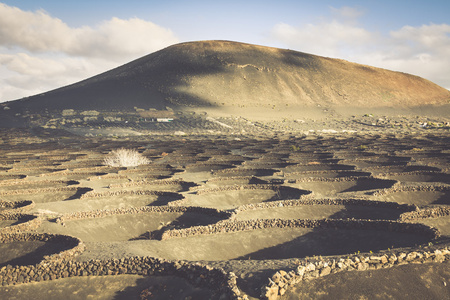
[(224, 73)]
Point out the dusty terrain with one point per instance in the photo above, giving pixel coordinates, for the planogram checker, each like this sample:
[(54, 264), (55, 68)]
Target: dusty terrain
[(273, 174), (364, 172)]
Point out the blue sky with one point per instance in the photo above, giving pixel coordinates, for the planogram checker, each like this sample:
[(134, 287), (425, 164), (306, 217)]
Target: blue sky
[(48, 44)]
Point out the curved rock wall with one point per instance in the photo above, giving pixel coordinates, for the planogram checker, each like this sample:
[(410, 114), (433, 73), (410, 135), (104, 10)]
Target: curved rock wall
[(143, 209), (308, 200), (282, 280), (425, 213), (15, 207), (40, 190), (222, 283), (29, 223), (74, 244), (236, 226)]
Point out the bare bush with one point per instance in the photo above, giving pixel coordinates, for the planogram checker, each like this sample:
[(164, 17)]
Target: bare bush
[(125, 158)]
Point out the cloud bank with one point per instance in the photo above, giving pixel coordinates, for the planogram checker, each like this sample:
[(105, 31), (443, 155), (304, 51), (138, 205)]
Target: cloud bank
[(422, 51), (39, 52)]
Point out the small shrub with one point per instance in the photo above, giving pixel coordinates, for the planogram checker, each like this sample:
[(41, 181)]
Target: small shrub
[(294, 148), (125, 158)]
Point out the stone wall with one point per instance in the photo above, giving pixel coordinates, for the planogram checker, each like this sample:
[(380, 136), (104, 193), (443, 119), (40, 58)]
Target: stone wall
[(247, 225), (420, 172), (308, 200), (29, 222), (342, 179), (211, 164), (143, 209), (62, 264), (236, 187), (413, 188), (15, 210), (27, 169), (307, 270), (8, 179), (38, 191), (18, 207), (358, 174), (95, 168), (151, 168), (425, 213), (92, 194), (151, 182), (244, 178), (239, 170), (220, 282), (27, 181), (75, 246)]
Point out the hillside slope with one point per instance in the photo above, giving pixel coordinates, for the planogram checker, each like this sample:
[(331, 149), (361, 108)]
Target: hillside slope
[(223, 73)]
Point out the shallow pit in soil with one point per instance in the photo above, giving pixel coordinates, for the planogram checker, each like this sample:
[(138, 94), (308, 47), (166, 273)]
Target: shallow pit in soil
[(233, 198), (328, 188), (317, 211), (130, 226), (418, 198), (276, 243), (28, 252)]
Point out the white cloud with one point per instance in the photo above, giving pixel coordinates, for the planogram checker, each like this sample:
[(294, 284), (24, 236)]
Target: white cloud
[(39, 52), (23, 74), (39, 32), (431, 38), (327, 39), (423, 50)]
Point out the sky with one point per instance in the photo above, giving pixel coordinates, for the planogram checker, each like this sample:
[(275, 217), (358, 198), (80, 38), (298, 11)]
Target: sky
[(46, 44)]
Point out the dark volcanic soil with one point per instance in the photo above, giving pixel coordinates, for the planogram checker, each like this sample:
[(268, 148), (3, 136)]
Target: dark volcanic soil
[(428, 281), (287, 174)]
